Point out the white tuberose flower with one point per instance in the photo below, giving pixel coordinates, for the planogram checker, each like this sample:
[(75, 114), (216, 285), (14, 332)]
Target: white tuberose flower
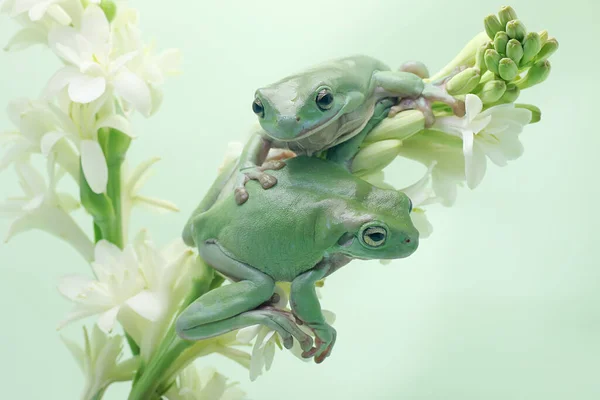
[(100, 361), (206, 384), (120, 282), (42, 208), (92, 70), (494, 132)]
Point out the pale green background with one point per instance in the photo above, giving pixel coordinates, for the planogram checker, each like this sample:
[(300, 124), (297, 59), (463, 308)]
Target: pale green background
[(502, 303)]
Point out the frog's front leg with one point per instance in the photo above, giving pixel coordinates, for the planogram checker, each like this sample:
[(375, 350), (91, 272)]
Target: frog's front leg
[(253, 167), (414, 93), (307, 309)]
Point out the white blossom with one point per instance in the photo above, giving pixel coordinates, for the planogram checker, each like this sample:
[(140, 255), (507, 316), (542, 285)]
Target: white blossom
[(493, 133), (100, 361), (41, 207), (206, 384)]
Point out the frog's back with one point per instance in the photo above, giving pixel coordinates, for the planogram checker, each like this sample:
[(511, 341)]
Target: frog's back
[(274, 231)]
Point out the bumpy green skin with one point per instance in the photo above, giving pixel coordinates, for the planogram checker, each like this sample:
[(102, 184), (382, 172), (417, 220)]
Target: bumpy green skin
[(316, 220)]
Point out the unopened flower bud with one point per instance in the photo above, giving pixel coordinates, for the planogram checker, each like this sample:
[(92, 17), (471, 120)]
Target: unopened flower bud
[(511, 94), (506, 14), (514, 50), (500, 42), (110, 9), (531, 47), (536, 113), (507, 69), (375, 157), (492, 25), (463, 82), (492, 91), (492, 59), (516, 30), (547, 50), (536, 74)]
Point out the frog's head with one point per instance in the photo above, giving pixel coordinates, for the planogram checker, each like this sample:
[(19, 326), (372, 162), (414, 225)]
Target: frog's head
[(386, 233), (300, 106)]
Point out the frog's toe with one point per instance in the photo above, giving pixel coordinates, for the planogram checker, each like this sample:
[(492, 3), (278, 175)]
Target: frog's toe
[(273, 165), (267, 181), (417, 68), (241, 195)]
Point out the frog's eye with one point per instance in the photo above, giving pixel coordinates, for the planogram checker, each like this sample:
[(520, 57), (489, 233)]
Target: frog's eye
[(324, 99), (258, 108), (374, 236), (410, 205)]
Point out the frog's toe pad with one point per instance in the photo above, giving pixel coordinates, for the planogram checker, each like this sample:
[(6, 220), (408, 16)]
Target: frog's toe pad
[(241, 195)]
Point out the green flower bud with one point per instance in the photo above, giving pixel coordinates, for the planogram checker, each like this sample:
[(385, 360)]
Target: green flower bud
[(500, 42), (507, 14), (463, 82), (492, 25), (375, 157), (514, 50), (516, 30), (511, 94), (543, 36), (402, 126), (507, 69), (480, 56), (536, 113), (531, 47), (492, 91), (536, 74), (547, 50), (492, 59), (110, 9)]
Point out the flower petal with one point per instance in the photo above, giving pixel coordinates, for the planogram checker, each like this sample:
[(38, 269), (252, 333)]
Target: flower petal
[(420, 221), (85, 89), (147, 304), (95, 27), (94, 166), (49, 140), (59, 14), (107, 320), (245, 335), (71, 286), (24, 38), (473, 106), (134, 90), (117, 122), (475, 166), (39, 10), (60, 80)]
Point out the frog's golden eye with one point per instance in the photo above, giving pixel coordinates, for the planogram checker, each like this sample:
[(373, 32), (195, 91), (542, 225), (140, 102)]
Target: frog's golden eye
[(374, 236), (324, 99), (258, 107)]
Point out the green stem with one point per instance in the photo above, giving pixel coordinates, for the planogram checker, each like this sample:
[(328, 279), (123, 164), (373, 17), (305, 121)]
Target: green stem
[(114, 194)]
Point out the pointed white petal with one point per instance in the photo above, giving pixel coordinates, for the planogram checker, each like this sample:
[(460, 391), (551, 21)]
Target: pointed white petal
[(107, 320), (71, 286), (60, 80), (24, 38), (85, 89), (94, 166), (134, 90), (59, 14), (106, 253), (95, 27), (245, 335), (76, 351), (473, 106), (120, 62), (117, 122), (49, 140), (419, 219), (475, 167), (39, 10), (147, 304)]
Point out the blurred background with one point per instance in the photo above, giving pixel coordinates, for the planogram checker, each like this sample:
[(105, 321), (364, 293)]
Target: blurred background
[(502, 302)]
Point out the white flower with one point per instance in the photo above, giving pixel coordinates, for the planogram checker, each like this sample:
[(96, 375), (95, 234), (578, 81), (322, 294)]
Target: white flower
[(119, 282), (91, 69), (42, 208), (100, 361), (266, 340), (133, 182), (206, 384), (493, 132)]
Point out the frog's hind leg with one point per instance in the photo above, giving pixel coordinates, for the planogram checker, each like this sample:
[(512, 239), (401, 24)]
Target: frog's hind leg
[(272, 318), (252, 289)]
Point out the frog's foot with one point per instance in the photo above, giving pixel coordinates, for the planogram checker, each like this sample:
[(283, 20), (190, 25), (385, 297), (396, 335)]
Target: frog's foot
[(415, 67), (282, 322), (325, 336), (257, 174), (280, 155), (423, 104)]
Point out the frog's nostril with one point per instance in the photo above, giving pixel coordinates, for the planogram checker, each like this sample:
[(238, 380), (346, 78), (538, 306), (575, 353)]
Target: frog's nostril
[(297, 118), (407, 240)]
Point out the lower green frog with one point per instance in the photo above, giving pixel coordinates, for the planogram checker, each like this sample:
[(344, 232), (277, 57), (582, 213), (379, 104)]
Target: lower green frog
[(317, 219)]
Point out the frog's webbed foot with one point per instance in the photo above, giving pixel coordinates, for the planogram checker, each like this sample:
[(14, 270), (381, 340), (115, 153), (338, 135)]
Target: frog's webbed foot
[(257, 174), (282, 322), (325, 337)]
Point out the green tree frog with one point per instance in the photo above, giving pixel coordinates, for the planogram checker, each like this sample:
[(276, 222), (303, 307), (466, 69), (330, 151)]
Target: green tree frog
[(317, 219), (328, 105)]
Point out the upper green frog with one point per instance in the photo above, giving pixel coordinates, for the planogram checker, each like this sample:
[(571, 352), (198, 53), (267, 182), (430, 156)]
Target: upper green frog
[(317, 219), (329, 104)]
